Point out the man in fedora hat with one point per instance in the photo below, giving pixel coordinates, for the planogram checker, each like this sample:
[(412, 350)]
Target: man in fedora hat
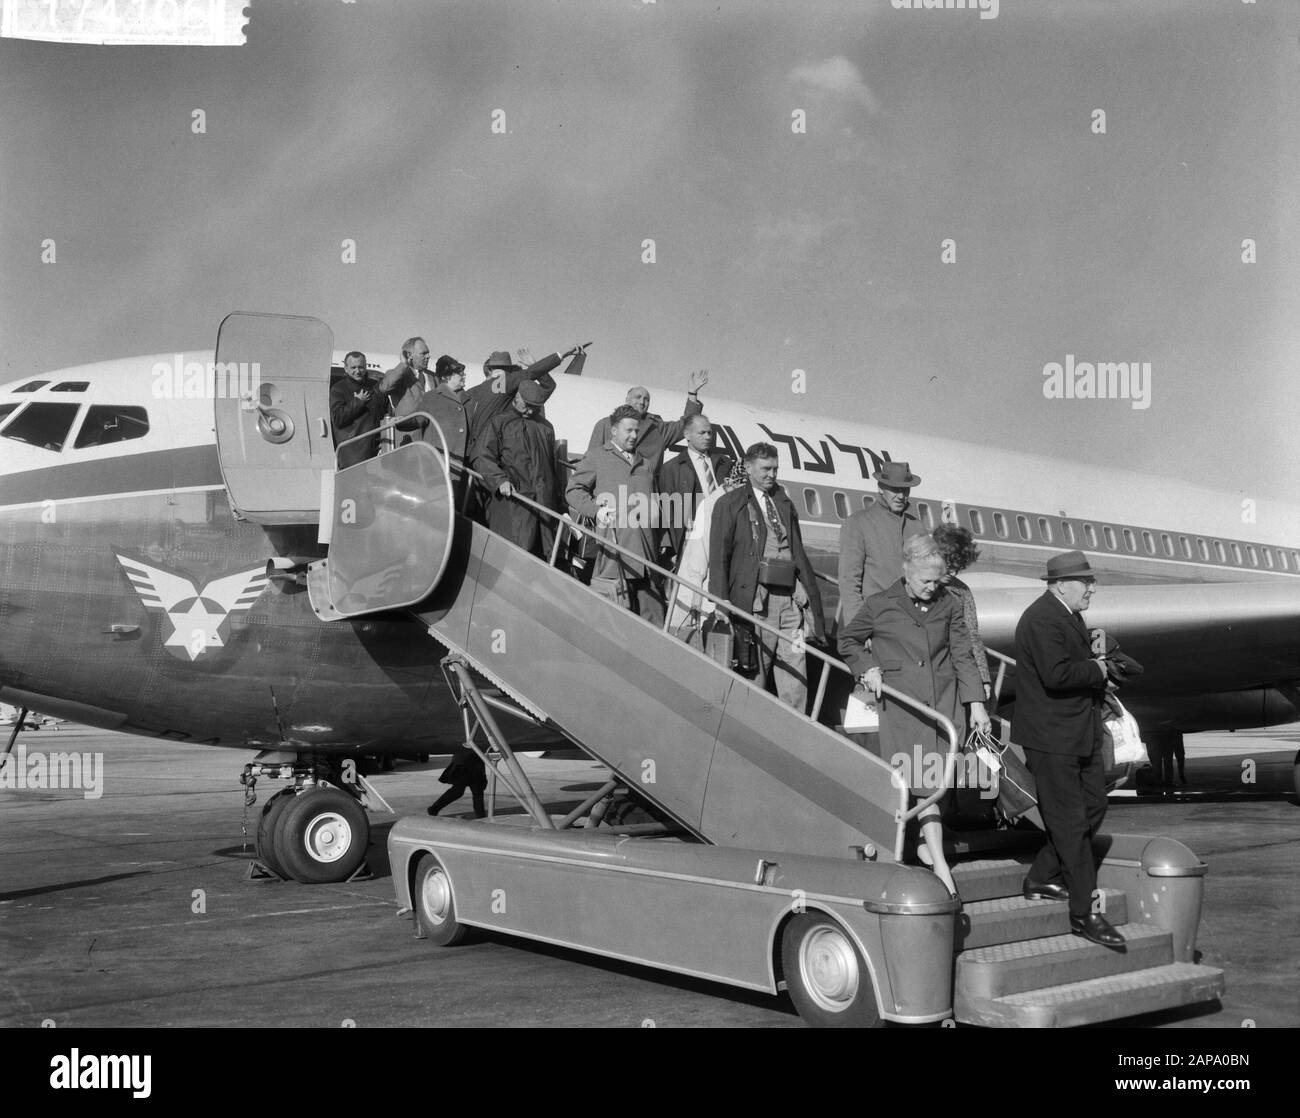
[(1058, 722), (502, 376), (871, 541)]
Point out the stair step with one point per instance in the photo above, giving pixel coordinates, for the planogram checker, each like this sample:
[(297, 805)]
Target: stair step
[(1097, 999), (1031, 964), (993, 843), (1007, 919), (986, 878)]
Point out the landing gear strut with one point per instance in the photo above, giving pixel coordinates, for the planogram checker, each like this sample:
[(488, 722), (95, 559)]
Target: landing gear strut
[(316, 829)]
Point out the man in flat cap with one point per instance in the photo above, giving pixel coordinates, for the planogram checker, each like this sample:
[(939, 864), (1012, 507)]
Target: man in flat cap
[(871, 540), (1060, 684), (516, 456)]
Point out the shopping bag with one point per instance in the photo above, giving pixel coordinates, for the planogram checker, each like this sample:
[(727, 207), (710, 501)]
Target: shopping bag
[(988, 755), (1125, 739), (1017, 793)]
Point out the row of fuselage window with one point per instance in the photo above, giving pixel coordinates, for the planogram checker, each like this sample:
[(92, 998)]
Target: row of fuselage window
[(1053, 531), (48, 425)]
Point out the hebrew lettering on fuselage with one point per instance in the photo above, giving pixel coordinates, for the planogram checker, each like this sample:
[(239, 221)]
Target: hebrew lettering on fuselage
[(819, 459)]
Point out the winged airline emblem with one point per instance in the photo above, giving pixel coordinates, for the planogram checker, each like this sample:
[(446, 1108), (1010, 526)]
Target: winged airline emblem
[(198, 617)]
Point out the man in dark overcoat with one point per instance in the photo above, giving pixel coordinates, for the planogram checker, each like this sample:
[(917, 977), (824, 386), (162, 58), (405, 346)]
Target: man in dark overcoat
[(356, 408), (516, 456), (1060, 684)]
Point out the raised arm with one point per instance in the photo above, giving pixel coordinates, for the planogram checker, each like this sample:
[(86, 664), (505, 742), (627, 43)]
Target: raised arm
[(392, 380), (673, 431)]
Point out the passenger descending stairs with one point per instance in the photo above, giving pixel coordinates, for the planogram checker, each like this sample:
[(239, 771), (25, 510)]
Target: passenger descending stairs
[(1018, 964)]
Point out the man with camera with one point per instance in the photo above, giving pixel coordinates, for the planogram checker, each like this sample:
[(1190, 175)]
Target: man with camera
[(757, 562)]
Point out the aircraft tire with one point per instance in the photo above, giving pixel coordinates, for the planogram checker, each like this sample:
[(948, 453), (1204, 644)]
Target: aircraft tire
[(267, 824), (435, 909), (825, 975), (322, 837)]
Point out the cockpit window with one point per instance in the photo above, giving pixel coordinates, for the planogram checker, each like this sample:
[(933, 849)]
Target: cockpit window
[(44, 425), (71, 386), (5, 410), (112, 423), (31, 386)]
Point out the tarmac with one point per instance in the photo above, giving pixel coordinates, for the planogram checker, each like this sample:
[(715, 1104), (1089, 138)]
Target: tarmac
[(133, 907)]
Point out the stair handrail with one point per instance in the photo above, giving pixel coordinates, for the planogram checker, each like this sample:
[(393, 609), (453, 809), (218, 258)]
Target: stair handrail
[(1005, 663)]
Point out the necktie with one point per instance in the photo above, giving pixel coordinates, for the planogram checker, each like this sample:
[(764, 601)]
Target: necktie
[(774, 520), (706, 470)]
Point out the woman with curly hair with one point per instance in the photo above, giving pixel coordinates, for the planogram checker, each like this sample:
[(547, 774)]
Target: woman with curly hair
[(957, 546)]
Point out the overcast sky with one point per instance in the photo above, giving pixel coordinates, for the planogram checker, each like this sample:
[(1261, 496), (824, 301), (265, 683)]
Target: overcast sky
[(775, 250)]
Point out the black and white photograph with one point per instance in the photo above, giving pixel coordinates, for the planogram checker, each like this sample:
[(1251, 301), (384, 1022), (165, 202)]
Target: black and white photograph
[(651, 514)]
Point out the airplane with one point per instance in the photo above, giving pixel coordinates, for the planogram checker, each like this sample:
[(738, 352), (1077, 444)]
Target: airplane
[(160, 515)]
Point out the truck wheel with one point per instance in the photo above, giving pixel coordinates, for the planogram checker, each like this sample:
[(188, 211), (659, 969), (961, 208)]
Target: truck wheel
[(435, 911), (322, 836), (826, 976)]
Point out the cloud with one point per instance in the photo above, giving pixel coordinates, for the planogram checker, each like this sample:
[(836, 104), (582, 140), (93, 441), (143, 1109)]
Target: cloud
[(836, 77), (791, 237)]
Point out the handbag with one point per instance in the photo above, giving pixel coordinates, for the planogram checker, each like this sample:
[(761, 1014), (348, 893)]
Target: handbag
[(861, 715), (719, 641)]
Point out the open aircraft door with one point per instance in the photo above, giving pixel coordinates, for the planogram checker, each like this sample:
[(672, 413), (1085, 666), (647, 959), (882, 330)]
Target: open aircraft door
[(272, 382)]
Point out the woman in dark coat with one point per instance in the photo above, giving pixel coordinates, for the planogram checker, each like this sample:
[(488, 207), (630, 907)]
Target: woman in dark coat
[(913, 637)]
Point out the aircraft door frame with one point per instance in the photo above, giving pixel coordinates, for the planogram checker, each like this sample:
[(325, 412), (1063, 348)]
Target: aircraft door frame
[(270, 383)]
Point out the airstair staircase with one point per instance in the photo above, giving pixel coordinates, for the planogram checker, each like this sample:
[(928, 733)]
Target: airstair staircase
[(730, 763)]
